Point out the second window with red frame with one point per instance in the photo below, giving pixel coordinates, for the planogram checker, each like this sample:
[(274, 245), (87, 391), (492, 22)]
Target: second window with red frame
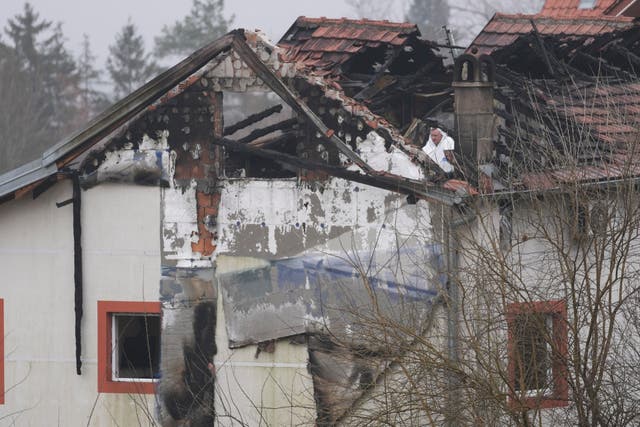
[(537, 341)]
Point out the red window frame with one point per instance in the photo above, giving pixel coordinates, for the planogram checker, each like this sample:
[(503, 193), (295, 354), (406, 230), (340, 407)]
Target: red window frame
[(559, 395), (106, 309)]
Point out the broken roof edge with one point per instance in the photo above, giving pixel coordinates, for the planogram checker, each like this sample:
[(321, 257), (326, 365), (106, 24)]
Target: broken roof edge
[(24, 175), (113, 117), (133, 104), (147, 93), (177, 77), (360, 110)]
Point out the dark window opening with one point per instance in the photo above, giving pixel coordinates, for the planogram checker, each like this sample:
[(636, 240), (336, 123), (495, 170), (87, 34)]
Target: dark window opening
[(271, 128), (533, 333), (136, 346), (538, 338)]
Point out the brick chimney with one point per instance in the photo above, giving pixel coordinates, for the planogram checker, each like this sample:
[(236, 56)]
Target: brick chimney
[(474, 117)]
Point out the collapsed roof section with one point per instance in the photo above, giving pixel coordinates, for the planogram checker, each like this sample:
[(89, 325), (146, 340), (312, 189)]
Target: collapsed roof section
[(188, 89), (326, 45), (384, 66), (580, 84)]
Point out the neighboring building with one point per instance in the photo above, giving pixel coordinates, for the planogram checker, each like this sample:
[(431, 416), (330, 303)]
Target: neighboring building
[(255, 237)]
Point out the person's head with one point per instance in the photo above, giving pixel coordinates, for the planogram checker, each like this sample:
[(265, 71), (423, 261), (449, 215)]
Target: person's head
[(436, 135)]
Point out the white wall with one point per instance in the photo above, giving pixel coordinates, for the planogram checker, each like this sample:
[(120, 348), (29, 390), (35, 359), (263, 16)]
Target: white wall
[(121, 249)]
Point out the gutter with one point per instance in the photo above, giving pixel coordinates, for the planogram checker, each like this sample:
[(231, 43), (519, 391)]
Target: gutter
[(76, 201)]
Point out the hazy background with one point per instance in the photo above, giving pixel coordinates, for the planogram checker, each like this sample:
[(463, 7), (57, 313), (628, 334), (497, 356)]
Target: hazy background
[(102, 20)]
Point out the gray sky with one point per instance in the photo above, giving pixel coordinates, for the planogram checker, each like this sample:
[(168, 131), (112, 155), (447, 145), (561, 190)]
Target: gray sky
[(101, 20)]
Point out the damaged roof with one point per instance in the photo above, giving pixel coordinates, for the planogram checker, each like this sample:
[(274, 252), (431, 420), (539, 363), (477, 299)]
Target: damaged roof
[(323, 43), (502, 30), (167, 84), (586, 89), (62, 158)]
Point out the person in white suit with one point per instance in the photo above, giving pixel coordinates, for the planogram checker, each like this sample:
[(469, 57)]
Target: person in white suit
[(439, 148)]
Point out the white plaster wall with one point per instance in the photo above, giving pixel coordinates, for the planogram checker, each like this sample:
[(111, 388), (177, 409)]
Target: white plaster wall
[(121, 249), (362, 217)]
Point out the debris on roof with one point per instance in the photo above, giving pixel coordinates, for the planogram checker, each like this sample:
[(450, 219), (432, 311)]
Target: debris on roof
[(581, 88), (326, 44), (384, 66)]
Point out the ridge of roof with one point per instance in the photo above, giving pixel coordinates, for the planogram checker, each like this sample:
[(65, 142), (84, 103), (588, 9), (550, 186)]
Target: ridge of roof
[(562, 17), (349, 21)]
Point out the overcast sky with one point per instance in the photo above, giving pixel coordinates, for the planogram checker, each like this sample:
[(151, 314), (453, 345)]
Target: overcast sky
[(101, 20)]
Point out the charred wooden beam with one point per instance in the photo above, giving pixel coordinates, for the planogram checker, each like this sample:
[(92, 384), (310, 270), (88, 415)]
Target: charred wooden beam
[(283, 125), (374, 87), (600, 62), (380, 80), (44, 186), (270, 79), (254, 118), (378, 179), (545, 54), (267, 142), (631, 57)]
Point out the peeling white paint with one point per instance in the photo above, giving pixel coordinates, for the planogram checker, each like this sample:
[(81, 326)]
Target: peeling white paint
[(149, 161), (373, 152), (272, 217), (160, 143), (179, 222)]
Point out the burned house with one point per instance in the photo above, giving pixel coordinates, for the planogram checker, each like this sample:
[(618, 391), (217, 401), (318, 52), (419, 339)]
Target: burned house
[(208, 235), (255, 237)]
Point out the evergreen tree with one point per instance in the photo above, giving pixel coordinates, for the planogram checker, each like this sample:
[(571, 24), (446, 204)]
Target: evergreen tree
[(91, 99), (22, 123), (128, 65), (24, 31), (60, 80), (39, 88), (204, 24), (430, 15)]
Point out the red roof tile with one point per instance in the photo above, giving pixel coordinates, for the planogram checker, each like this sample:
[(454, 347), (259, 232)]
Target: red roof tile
[(571, 8), (341, 37), (489, 39)]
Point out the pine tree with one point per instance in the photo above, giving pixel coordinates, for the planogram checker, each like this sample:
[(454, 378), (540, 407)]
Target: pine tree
[(24, 31), (39, 87), (60, 77), (430, 15), (22, 124), (128, 65), (204, 24), (91, 99)]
